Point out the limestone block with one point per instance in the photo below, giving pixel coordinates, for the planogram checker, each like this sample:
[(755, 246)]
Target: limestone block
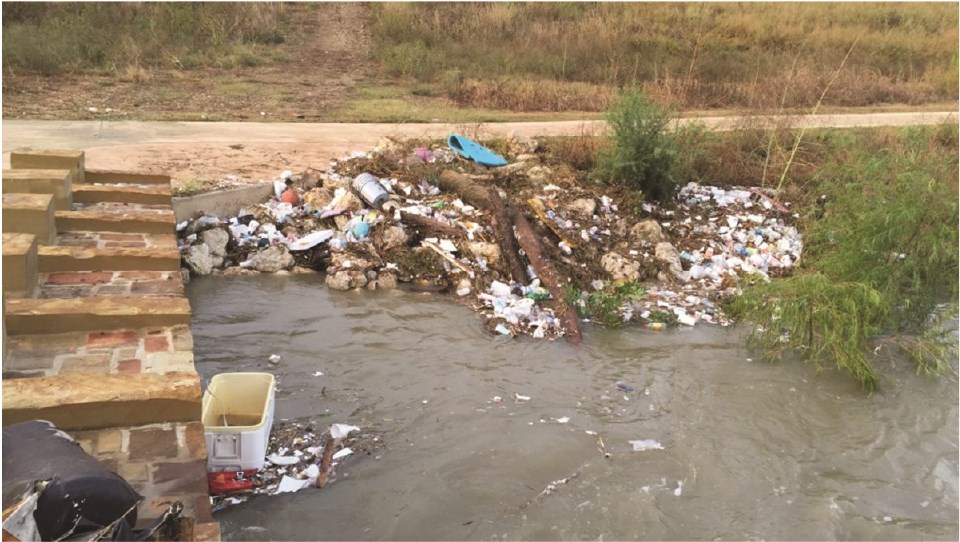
[(19, 265), (41, 181), (27, 158), (30, 213)]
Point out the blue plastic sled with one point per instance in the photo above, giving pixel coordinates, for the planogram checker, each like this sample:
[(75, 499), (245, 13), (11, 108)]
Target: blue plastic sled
[(468, 148)]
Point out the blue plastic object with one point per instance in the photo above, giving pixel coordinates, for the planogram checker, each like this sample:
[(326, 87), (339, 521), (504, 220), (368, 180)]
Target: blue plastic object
[(468, 148)]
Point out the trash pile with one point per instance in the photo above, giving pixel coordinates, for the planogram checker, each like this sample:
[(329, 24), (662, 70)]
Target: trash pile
[(389, 217), (298, 457)]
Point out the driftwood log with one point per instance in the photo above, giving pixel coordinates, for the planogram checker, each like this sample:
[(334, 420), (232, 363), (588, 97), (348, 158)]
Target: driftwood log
[(430, 224), (514, 233)]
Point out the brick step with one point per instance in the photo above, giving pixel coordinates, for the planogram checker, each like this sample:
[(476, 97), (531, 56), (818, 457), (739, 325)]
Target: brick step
[(106, 239), (118, 222), (40, 181), (45, 316), (30, 213), (54, 259), (120, 193), (118, 351), (69, 284), (28, 158), (82, 401), (19, 265), (125, 177)]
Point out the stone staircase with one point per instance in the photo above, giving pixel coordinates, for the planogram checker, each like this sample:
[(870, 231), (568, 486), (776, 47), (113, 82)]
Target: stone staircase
[(97, 328)]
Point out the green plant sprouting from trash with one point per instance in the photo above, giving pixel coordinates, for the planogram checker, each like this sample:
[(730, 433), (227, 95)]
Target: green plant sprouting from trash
[(604, 306), (880, 260)]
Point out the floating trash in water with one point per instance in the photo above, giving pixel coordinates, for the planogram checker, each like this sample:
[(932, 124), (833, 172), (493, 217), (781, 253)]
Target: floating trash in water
[(645, 444)]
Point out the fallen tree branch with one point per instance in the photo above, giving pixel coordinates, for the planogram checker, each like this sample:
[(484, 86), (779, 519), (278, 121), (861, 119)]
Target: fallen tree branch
[(430, 224), (326, 462), (490, 201), (513, 233)]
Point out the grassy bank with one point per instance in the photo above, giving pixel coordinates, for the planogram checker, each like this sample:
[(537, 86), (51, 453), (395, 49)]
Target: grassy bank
[(563, 56), (129, 38)]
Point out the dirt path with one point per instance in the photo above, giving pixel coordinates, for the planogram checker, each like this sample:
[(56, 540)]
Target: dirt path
[(206, 151)]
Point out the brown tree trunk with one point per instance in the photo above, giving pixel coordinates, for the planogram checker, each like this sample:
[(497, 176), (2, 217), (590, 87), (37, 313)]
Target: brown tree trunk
[(514, 232)]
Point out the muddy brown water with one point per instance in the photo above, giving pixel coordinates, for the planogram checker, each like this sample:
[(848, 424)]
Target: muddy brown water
[(750, 450)]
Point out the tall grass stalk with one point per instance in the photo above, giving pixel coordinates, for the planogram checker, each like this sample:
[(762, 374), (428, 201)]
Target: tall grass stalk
[(803, 129)]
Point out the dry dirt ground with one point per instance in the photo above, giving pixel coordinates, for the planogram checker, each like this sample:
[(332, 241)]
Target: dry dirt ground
[(321, 69)]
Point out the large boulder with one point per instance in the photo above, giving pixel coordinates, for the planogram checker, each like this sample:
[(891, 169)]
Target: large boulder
[(647, 231), (487, 251), (393, 237), (272, 259), (585, 206), (620, 268), (667, 254), (216, 239), (346, 279), (199, 260)]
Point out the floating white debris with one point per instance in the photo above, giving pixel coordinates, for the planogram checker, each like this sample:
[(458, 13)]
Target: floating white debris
[(291, 485), (521, 398), (340, 430), (565, 419), (342, 453), (645, 444), (283, 459)]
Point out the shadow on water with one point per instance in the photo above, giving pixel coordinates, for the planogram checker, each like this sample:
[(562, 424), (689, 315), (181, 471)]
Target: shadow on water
[(750, 450)]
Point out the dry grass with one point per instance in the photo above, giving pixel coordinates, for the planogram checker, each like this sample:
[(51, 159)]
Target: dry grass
[(689, 55), (131, 37)]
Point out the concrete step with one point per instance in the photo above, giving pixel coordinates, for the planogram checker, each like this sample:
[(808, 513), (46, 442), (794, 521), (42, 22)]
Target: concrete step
[(125, 177), (40, 181), (30, 213), (81, 401), (45, 316), (54, 259), (28, 158), (118, 222), (19, 265), (119, 193)]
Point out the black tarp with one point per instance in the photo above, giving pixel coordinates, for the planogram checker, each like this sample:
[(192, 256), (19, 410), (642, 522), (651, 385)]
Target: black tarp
[(80, 496)]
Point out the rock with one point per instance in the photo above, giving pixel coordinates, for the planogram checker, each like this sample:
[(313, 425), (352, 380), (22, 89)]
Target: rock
[(345, 280), (199, 260), (620, 268), (515, 167), (668, 255), (350, 262), (647, 231), (521, 144), (216, 239), (300, 270), (273, 259), (526, 157), (584, 206), (387, 281), (185, 275), (487, 251), (539, 174), (318, 198), (239, 272), (393, 237)]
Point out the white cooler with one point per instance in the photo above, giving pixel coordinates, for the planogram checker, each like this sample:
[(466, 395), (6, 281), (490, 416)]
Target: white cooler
[(237, 418)]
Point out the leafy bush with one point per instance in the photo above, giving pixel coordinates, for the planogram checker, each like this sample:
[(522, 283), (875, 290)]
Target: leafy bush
[(642, 154), (880, 258)]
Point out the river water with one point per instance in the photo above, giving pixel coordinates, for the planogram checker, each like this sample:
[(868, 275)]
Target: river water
[(750, 450)]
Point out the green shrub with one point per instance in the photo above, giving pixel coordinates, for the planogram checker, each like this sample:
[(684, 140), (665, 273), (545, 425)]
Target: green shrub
[(642, 154), (880, 258)]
